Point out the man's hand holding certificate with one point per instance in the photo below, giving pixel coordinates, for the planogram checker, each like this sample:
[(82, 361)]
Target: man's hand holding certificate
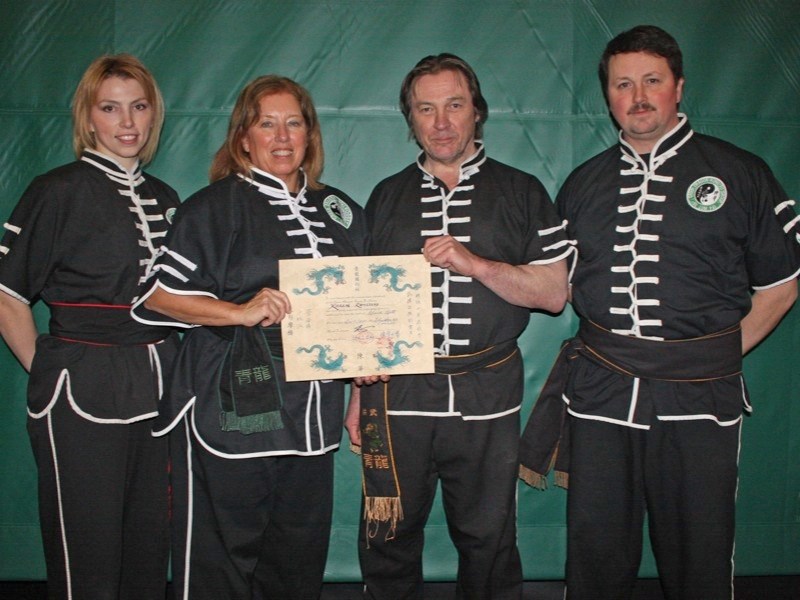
[(357, 316)]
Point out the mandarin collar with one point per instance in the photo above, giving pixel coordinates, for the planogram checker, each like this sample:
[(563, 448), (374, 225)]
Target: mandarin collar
[(269, 180), (667, 145), (468, 168), (110, 165)]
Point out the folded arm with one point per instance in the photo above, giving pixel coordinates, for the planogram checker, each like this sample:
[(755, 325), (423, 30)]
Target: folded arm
[(266, 308), (531, 286)]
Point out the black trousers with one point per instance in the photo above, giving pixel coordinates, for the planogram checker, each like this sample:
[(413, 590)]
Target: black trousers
[(102, 506), (683, 475), (476, 463), (248, 528)]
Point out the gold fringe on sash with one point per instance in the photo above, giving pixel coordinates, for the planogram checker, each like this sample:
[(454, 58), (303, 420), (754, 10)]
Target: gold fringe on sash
[(382, 510), (381, 488)]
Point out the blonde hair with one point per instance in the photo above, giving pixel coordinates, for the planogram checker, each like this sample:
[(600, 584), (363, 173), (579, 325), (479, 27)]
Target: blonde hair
[(231, 157), (124, 66)]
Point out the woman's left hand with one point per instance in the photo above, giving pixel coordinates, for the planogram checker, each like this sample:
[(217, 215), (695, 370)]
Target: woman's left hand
[(266, 308)]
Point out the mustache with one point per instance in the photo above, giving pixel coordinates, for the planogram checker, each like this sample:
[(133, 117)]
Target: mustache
[(640, 106)]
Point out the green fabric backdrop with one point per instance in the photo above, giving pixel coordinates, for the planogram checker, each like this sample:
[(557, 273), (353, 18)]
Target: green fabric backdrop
[(537, 63)]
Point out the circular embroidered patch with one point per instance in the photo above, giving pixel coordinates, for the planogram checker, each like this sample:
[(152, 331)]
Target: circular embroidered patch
[(707, 194), (170, 214), (338, 210)]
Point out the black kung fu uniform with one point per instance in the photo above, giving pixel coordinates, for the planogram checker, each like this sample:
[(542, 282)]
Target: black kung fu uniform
[(461, 429), (670, 246), (80, 239), (255, 511)]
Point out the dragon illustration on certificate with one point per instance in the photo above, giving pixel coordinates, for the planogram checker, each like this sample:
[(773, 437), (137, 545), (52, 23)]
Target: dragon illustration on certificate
[(355, 316)]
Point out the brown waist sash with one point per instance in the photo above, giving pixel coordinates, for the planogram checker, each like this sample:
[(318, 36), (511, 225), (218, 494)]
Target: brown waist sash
[(545, 441)]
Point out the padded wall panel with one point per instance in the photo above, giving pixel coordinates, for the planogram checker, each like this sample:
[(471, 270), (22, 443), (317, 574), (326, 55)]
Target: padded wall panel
[(537, 61)]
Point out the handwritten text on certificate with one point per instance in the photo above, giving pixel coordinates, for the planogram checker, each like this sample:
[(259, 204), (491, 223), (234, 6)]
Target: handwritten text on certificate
[(357, 316)]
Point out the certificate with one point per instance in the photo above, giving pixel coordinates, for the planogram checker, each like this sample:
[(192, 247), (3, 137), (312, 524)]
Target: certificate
[(357, 316)]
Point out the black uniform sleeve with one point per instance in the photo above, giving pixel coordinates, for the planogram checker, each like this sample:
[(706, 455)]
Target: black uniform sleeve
[(194, 255), (193, 258), (773, 253), (547, 240), (372, 214), (31, 239)]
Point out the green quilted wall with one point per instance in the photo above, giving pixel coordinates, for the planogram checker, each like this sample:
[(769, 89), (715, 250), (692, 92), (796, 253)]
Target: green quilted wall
[(537, 63)]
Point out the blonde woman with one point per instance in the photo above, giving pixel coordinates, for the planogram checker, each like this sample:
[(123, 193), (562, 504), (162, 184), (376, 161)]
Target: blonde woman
[(80, 240)]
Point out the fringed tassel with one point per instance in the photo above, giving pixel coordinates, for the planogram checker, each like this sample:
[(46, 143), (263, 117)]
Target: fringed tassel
[(383, 509), (532, 478), (379, 510)]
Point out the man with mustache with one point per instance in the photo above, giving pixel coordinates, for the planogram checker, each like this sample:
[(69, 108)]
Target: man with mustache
[(685, 262)]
